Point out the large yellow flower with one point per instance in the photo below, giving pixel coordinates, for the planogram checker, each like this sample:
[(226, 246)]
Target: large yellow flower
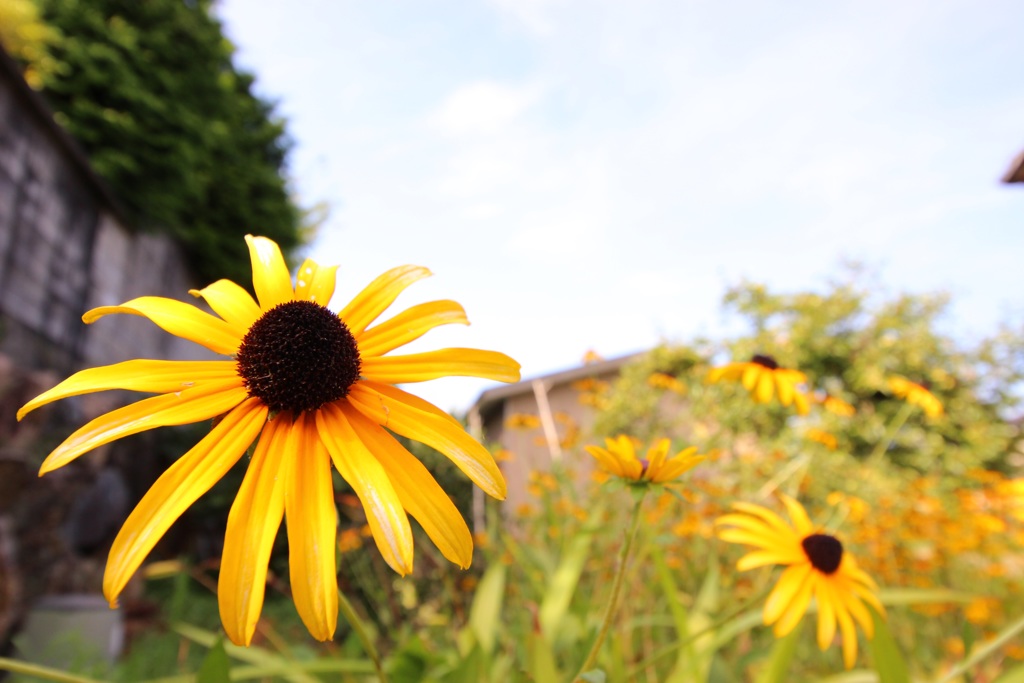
[(816, 566), (620, 459), (316, 387), (763, 378), (916, 394)]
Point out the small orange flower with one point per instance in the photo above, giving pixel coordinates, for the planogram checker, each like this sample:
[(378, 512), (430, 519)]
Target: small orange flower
[(916, 394)]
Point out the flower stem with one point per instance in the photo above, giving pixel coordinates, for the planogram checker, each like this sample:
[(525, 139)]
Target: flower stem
[(897, 423), (44, 672), (613, 601), (345, 607)]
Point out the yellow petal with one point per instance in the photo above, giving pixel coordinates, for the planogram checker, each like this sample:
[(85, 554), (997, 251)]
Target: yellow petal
[(315, 282), (252, 527), (802, 405), (416, 419), (826, 613), (785, 590), (763, 558), (656, 455), (765, 388), (189, 405), (420, 367), (677, 466), (785, 388), (606, 460), (796, 609), (767, 515), (752, 373), (848, 595), (180, 319), (270, 276), (153, 376), (231, 302), (312, 527), (848, 631), (798, 514), (378, 295), (189, 477), (416, 488), (731, 371), (384, 511), (409, 325)]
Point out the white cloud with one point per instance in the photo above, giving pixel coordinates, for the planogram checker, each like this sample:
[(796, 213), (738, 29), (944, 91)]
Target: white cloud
[(483, 108)]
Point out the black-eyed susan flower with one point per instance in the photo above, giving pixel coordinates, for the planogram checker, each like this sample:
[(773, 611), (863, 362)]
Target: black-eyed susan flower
[(619, 458), (314, 387), (817, 566), (916, 394), (763, 378)]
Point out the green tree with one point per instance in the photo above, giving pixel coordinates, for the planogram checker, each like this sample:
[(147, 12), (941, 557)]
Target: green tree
[(848, 341), (150, 91)]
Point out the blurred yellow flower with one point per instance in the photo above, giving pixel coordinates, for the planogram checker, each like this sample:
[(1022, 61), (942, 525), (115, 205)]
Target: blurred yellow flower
[(619, 458), (816, 566), (522, 421), (311, 387), (821, 436), (837, 406), (916, 394), (349, 540), (763, 378), (661, 380)]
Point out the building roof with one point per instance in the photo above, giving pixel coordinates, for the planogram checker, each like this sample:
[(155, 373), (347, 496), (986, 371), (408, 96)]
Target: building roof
[(493, 397), (1015, 174)]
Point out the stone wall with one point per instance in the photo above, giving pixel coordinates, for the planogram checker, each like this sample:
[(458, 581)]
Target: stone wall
[(65, 247)]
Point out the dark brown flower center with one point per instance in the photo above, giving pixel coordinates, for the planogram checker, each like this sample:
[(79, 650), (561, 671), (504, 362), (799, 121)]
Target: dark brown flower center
[(298, 357), (825, 552), (766, 361)]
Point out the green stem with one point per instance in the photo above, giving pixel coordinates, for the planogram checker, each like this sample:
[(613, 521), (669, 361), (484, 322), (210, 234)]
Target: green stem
[(345, 607), (613, 601), (691, 637), (41, 671), (897, 423)]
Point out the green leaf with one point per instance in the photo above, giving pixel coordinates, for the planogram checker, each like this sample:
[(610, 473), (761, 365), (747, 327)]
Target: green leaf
[(541, 663), (984, 650), (563, 582), (485, 614), (251, 655), (777, 669), (216, 667), (893, 597), (1014, 675), (888, 659)]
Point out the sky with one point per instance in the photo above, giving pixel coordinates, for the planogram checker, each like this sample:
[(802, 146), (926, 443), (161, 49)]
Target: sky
[(594, 174)]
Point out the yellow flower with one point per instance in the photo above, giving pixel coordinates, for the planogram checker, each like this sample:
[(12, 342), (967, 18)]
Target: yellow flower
[(816, 566), (838, 406), (763, 378), (662, 380), (315, 387), (827, 439), (916, 394), (619, 458)]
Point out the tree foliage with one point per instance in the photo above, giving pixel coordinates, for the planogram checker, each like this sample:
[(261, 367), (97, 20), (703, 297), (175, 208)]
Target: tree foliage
[(848, 342), (150, 91)]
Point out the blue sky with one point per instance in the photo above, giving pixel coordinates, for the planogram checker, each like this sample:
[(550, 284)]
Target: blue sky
[(594, 174)]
